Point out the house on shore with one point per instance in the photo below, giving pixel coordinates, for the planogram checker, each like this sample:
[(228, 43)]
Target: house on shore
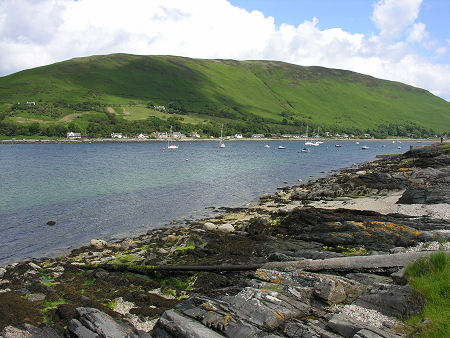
[(258, 136), (73, 136), (142, 136), (195, 134), (116, 135), (162, 134), (238, 136)]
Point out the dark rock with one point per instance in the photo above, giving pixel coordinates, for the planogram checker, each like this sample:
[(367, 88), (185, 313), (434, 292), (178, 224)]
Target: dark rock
[(174, 324), (391, 300), (344, 327), (51, 223), (78, 330), (103, 324), (258, 228), (65, 312)]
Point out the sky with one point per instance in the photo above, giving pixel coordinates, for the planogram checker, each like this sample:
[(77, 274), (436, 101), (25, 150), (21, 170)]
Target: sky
[(400, 40)]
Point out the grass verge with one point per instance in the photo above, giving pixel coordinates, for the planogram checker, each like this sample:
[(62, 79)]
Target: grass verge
[(430, 277)]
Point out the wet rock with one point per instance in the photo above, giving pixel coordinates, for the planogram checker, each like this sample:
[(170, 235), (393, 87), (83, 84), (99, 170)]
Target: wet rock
[(51, 223), (98, 243), (226, 228), (2, 272)]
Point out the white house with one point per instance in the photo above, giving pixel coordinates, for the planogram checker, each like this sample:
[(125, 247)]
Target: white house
[(31, 103), (258, 135), (160, 108), (238, 136), (116, 135), (195, 134), (177, 134), (141, 136), (162, 134), (72, 136)]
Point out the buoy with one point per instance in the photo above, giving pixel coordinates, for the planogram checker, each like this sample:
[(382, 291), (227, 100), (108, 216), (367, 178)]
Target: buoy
[(164, 148), (186, 159)]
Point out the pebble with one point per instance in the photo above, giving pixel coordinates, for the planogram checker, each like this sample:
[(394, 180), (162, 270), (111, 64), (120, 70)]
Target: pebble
[(368, 316), (2, 272), (171, 238)]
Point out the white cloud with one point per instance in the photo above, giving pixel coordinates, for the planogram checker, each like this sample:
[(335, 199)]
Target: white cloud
[(393, 16), (418, 32), (34, 33)]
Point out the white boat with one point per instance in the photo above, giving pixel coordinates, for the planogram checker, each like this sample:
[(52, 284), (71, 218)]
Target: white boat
[(364, 147), (266, 146), (222, 145), (171, 146), (305, 150), (337, 145), (281, 147), (399, 147), (357, 142), (314, 144)]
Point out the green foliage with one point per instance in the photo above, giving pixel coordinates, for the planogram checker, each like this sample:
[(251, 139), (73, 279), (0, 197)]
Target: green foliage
[(249, 97), (430, 277)]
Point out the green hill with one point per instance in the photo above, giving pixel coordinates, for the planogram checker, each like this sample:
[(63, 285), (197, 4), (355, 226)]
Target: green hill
[(119, 90)]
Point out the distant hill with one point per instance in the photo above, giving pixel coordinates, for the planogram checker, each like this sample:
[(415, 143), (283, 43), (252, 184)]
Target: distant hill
[(197, 91)]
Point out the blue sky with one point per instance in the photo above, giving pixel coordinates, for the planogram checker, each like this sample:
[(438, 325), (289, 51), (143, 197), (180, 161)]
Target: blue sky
[(400, 40), (353, 16)]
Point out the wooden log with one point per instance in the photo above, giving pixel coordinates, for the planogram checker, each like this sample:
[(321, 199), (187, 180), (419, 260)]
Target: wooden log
[(349, 263)]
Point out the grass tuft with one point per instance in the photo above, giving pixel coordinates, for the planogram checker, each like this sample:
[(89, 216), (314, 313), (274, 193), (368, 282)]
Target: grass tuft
[(430, 278)]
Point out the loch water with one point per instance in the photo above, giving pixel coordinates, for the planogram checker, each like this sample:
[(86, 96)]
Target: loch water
[(115, 190)]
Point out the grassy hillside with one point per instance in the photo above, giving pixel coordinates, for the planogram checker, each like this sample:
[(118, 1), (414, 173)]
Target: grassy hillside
[(268, 92)]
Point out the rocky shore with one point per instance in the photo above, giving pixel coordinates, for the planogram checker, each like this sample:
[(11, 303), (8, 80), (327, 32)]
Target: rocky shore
[(322, 259)]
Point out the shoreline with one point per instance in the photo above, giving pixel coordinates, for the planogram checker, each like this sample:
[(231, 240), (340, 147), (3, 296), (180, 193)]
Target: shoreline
[(134, 140), (304, 224)]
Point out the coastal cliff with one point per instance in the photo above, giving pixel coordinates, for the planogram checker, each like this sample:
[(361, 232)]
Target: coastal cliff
[(324, 258)]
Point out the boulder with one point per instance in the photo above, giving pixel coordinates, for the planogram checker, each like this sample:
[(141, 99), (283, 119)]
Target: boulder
[(391, 300), (225, 228), (208, 226), (98, 243), (330, 291)]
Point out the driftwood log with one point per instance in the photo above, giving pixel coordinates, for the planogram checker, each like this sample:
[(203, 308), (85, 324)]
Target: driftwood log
[(349, 263)]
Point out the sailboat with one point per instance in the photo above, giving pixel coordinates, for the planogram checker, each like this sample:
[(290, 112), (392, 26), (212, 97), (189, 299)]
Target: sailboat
[(171, 146), (222, 145)]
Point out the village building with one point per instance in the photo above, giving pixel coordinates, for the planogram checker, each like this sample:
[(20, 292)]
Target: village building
[(238, 136), (141, 136), (258, 136), (116, 135), (162, 134), (73, 136)]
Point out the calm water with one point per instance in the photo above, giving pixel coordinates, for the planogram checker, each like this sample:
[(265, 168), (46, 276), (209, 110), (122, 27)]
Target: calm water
[(115, 190)]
